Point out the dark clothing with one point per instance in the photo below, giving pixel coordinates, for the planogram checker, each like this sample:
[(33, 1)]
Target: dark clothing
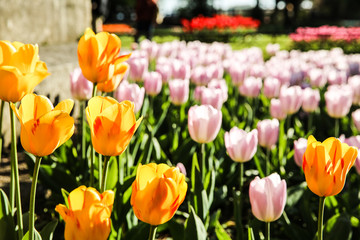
[(146, 13)]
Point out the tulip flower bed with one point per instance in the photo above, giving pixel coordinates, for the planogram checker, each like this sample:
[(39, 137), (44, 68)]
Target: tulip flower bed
[(327, 37), (186, 141), (217, 28)]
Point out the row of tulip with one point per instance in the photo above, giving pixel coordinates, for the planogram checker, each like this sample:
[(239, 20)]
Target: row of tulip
[(238, 92), (326, 37)]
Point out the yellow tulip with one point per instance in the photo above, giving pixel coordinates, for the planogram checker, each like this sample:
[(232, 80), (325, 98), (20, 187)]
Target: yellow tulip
[(326, 164), (112, 124), (20, 70), (111, 84), (43, 127), (98, 54), (88, 215), (157, 193)]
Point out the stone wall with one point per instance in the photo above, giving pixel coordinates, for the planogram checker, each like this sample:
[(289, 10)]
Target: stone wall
[(44, 21)]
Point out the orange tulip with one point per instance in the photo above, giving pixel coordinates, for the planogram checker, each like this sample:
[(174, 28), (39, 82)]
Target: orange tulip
[(326, 164), (43, 127), (88, 215), (112, 84), (157, 193), (20, 70), (112, 124), (98, 54)]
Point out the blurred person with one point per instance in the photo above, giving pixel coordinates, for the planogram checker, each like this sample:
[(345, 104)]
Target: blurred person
[(146, 13)]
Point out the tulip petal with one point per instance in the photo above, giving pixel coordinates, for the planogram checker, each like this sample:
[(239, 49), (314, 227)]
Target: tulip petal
[(76, 198), (6, 51), (91, 195), (65, 106), (33, 107), (25, 58)]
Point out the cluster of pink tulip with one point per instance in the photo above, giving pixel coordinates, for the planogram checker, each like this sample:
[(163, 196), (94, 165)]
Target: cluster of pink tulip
[(290, 80), (326, 32)]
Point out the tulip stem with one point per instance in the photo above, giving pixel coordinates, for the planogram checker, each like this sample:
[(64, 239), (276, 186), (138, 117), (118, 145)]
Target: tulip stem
[(310, 121), (32, 198), (267, 230), (203, 167), (267, 162), (83, 130), (94, 90), (100, 171), (336, 134), (1, 121), (104, 176), (240, 232), (92, 158), (15, 184), (152, 232), (321, 217)]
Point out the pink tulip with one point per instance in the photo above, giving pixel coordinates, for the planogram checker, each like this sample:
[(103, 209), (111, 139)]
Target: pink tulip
[(179, 91), (257, 70), (131, 92), (204, 123), (199, 76), (267, 197), (317, 77), (197, 92), (240, 145), (272, 49), (276, 110), (152, 83), (291, 99), (271, 87), (238, 74), (356, 118), (299, 150), (354, 83), (251, 87), (215, 71), (268, 132), (81, 88), (180, 69), (220, 84), (138, 68), (165, 72), (338, 100), (310, 99), (213, 97), (355, 142), (336, 77)]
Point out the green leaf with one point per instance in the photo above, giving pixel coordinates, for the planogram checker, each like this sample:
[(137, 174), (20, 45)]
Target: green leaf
[(157, 148), (220, 232), (294, 194), (195, 229), (176, 229), (338, 227), (36, 234), (65, 195), (47, 232), (7, 227)]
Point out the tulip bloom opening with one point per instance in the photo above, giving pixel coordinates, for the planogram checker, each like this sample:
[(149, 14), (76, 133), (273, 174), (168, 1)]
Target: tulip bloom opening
[(326, 164), (20, 70), (88, 214), (112, 124), (43, 127), (157, 193)]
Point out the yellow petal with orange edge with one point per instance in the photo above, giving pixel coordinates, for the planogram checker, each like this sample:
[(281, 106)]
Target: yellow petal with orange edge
[(108, 198), (76, 198), (66, 105), (6, 51), (25, 58), (33, 107), (96, 105), (91, 196)]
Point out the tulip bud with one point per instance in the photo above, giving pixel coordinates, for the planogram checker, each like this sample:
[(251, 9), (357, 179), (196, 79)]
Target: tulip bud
[(299, 150), (276, 110), (355, 142), (81, 88), (354, 83), (271, 87), (310, 99), (157, 193), (131, 92), (240, 145), (267, 197), (356, 118), (152, 83), (251, 87), (291, 99), (204, 123), (138, 68), (213, 97), (179, 91), (338, 100), (88, 215), (268, 132)]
